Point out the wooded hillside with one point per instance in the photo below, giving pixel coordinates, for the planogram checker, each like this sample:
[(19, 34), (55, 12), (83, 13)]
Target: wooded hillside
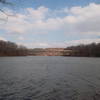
[(11, 49)]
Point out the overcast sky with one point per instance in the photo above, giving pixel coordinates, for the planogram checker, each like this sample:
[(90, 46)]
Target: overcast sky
[(51, 23)]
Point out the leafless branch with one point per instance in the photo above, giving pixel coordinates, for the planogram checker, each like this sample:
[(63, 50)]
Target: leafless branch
[(5, 2), (2, 11)]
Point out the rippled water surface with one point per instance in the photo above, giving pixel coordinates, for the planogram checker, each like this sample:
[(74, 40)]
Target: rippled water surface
[(49, 78)]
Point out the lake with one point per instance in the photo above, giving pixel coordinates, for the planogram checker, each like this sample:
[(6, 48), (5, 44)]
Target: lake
[(49, 78)]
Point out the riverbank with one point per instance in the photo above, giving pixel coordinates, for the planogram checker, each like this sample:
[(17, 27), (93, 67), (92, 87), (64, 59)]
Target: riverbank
[(11, 49)]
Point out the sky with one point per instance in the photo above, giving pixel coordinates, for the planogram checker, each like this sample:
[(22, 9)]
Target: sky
[(50, 23)]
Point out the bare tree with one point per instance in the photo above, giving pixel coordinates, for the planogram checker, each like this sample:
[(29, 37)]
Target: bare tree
[(5, 2), (8, 48), (4, 15), (90, 50)]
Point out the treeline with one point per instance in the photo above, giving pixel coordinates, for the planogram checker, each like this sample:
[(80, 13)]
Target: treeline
[(8, 48), (90, 50)]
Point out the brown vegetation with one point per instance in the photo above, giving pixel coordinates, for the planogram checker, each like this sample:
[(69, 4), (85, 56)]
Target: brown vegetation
[(11, 49), (90, 50), (49, 52)]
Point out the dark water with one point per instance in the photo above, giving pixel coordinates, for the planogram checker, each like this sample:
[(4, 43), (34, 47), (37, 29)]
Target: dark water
[(49, 78)]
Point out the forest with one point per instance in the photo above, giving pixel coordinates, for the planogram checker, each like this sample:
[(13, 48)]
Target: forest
[(8, 48), (89, 50)]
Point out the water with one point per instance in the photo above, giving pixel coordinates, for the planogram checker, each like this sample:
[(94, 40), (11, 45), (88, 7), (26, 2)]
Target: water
[(49, 78)]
